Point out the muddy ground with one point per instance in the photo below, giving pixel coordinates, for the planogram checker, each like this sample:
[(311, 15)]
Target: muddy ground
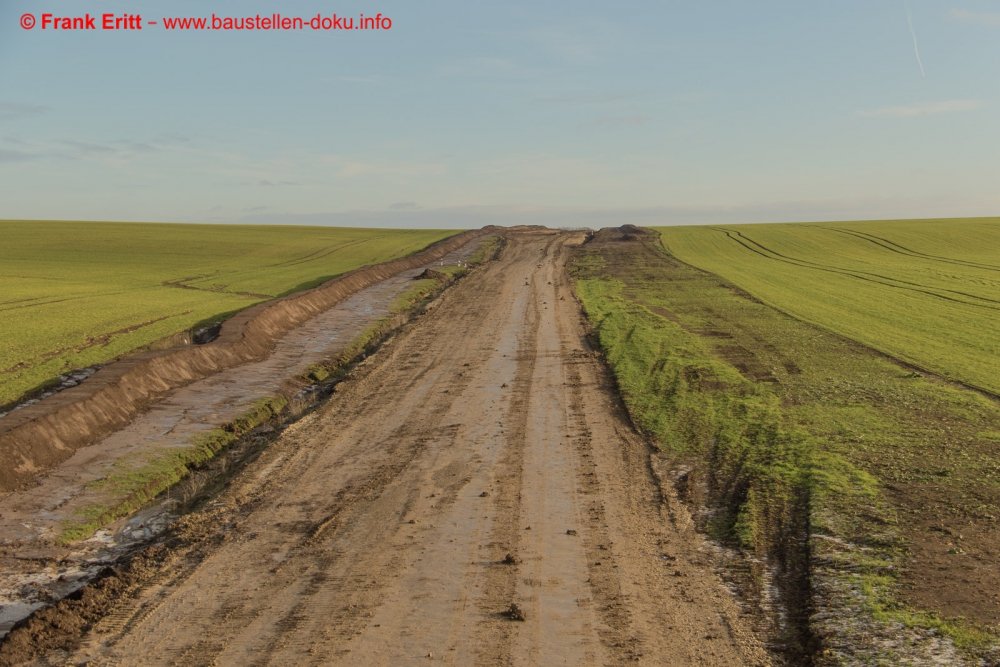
[(474, 494), (34, 569)]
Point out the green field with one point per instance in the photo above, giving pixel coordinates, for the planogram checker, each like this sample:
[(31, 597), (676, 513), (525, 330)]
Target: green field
[(923, 291), (869, 493), (81, 293)]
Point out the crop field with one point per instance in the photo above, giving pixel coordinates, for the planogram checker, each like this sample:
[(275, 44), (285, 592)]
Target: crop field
[(77, 294), (864, 495), (924, 291)]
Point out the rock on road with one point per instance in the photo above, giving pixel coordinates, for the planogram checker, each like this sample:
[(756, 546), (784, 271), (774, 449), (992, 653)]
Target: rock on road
[(479, 460)]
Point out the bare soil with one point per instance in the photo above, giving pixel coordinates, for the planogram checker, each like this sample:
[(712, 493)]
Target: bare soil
[(475, 494)]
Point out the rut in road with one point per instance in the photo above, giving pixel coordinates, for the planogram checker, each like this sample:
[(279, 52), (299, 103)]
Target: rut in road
[(377, 530)]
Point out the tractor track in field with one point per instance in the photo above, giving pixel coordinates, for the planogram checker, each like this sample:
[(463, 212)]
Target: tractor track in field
[(480, 460), (886, 281)]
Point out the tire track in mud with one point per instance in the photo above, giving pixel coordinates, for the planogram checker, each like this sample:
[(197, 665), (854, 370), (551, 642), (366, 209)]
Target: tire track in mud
[(374, 530), (311, 560), (495, 634)]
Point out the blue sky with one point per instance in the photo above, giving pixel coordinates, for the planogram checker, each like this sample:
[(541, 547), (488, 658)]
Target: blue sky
[(465, 113)]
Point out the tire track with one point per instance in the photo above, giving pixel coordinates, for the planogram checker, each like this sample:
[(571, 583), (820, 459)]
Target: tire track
[(763, 251), (376, 530), (903, 250)]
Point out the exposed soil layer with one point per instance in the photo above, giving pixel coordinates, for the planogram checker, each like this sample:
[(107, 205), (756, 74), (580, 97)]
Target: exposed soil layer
[(37, 437), (474, 495)]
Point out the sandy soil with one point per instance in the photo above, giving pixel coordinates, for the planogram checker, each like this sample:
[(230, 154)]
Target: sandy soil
[(480, 460)]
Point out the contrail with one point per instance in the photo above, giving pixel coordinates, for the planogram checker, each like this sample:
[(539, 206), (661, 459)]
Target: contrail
[(909, 19)]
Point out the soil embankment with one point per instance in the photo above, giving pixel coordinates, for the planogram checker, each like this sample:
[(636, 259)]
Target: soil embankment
[(475, 494), (40, 436)]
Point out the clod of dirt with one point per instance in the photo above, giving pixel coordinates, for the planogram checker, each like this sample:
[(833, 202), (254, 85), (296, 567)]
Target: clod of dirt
[(514, 612), (413, 521), (430, 273), (503, 386), (484, 494), (571, 532), (510, 559)]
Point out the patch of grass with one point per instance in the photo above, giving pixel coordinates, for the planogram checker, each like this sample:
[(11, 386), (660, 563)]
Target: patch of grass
[(924, 291), (882, 604), (487, 251), (702, 410), (81, 293), (133, 482), (801, 444)]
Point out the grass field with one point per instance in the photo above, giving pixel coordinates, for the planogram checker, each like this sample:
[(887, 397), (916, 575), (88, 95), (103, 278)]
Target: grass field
[(866, 494), (924, 291), (77, 294)]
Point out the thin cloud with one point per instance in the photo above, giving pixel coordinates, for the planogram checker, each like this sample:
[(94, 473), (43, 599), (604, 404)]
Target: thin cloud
[(584, 99), (7, 157), (916, 49), (621, 121), (925, 109), (123, 149), (485, 68), (404, 206), (274, 184), (578, 41), (974, 17), (359, 79), (14, 110)]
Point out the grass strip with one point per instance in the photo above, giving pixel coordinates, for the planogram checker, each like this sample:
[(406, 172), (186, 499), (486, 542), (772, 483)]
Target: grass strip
[(133, 486)]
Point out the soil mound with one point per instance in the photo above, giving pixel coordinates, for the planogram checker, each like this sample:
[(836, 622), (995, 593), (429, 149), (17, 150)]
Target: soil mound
[(623, 234), (432, 274)]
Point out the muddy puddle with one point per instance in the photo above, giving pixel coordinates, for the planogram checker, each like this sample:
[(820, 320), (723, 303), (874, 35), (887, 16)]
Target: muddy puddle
[(71, 379)]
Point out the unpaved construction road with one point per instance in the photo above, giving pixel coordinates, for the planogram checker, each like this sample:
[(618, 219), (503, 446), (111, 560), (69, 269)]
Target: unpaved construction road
[(480, 459)]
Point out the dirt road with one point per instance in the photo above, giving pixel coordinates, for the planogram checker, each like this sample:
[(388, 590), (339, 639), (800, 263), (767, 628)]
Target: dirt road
[(479, 460)]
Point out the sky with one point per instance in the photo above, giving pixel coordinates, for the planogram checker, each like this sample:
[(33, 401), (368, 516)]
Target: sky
[(466, 113)]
